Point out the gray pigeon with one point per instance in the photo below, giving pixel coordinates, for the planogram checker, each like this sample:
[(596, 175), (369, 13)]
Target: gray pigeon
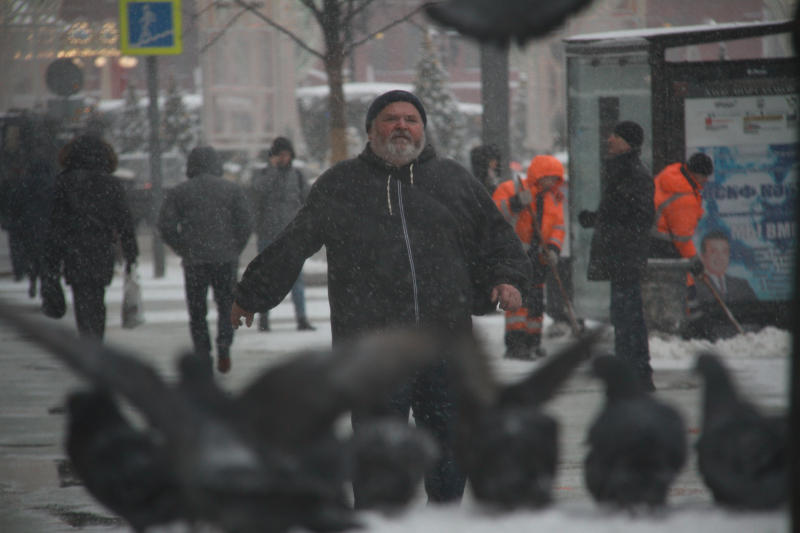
[(507, 446), (125, 468), (637, 444), (742, 455), (389, 460), (268, 459)]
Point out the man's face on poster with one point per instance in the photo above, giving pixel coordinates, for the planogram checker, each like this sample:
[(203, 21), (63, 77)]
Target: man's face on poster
[(716, 256)]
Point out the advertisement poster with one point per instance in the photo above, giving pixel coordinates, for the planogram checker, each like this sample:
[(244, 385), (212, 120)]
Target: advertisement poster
[(751, 195)]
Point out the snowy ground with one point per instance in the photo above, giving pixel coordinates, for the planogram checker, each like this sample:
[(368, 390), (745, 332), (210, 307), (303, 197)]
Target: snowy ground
[(759, 361)]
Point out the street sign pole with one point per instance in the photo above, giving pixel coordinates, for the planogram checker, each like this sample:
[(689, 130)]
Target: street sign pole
[(152, 28), (159, 267)]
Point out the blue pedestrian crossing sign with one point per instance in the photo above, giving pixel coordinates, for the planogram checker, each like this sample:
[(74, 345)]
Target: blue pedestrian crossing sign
[(150, 27)]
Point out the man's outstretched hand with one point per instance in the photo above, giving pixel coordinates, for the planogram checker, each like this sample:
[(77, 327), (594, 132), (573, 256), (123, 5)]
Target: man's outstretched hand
[(237, 313), (507, 296)]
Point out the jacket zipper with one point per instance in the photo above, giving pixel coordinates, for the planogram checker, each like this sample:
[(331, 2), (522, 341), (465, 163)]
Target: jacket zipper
[(408, 249)]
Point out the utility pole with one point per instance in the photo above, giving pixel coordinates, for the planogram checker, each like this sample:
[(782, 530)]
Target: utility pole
[(154, 146), (495, 100)]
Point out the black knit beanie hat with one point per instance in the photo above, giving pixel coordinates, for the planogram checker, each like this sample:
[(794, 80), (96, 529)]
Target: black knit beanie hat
[(281, 144), (631, 132), (203, 160), (700, 163), (394, 96)]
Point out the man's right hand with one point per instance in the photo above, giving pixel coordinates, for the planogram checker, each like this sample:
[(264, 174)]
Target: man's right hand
[(237, 313)]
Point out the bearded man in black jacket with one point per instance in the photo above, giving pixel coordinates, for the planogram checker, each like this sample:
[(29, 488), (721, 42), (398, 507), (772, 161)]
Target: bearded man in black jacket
[(620, 243), (412, 240)]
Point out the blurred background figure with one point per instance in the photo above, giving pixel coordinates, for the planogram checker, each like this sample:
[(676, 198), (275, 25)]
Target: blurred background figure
[(679, 207), (535, 209), (278, 193), (90, 218), (206, 220), (26, 188), (485, 160)]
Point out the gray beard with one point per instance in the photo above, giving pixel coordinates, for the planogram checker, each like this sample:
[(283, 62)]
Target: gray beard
[(398, 155)]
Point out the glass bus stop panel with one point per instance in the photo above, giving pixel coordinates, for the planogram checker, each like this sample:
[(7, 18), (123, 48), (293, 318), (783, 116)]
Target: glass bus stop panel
[(602, 90)]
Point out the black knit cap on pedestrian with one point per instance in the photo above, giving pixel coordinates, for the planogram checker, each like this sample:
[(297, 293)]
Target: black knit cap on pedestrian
[(281, 144), (387, 98), (700, 164), (203, 160), (631, 132)]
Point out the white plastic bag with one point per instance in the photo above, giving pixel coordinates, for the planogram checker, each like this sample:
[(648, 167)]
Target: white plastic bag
[(132, 311)]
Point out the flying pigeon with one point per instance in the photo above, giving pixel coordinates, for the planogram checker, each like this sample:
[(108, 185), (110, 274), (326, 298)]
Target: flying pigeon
[(499, 22)]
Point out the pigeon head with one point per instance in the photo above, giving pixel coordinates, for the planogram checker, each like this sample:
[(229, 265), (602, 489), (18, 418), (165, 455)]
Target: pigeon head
[(720, 391)]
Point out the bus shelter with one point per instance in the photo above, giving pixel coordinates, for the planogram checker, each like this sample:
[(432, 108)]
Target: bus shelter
[(742, 113)]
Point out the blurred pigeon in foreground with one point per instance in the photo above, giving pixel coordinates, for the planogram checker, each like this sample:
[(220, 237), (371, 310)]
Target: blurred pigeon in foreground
[(390, 459), (490, 20), (125, 468), (637, 444), (742, 455), (507, 445), (265, 461)]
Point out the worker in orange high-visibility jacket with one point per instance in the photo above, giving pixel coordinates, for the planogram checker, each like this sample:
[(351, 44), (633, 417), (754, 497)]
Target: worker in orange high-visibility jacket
[(534, 206), (679, 207)]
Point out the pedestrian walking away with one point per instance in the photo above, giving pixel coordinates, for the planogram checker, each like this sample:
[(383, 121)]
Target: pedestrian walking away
[(535, 209), (27, 176), (207, 222), (277, 193), (412, 240), (90, 217), (621, 241)]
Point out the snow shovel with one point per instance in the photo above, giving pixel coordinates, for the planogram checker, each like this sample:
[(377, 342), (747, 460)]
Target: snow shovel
[(722, 304), (575, 325)]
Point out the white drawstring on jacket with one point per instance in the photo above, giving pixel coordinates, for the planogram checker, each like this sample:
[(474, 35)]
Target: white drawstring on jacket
[(388, 185)]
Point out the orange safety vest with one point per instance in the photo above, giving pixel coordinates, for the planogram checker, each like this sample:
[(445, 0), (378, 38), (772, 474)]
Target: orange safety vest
[(679, 207), (552, 217)]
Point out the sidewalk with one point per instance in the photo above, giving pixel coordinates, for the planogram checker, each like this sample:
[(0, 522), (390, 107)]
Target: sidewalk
[(315, 271)]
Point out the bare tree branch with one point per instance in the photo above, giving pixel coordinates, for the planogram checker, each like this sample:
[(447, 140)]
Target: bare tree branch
[(369, 36), (353, 13), (282, 29), (219, 34)]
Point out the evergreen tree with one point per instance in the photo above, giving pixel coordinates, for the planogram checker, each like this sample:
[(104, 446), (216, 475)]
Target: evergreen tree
[(446, 125), (132, 128), (176, 123)]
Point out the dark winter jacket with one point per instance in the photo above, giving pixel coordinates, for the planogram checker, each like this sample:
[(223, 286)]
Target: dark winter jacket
[(26, 203), (621, 239), (277, 194), (90, 214), (405, 246), (205, 220)]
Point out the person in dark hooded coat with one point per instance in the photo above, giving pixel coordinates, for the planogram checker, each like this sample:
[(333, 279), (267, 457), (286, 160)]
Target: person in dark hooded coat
[(90, 216), (621, 243), (412, 240), (206, 220)]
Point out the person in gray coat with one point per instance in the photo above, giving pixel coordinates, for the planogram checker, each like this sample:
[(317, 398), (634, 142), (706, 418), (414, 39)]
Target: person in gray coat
[(206, 221), (278, 193)]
